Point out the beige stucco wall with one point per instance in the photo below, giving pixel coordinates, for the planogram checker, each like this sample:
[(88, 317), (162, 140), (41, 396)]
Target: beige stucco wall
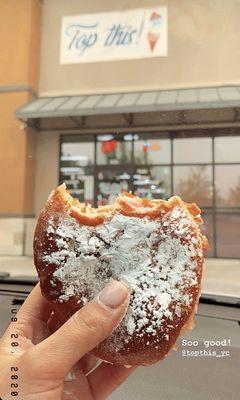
[(203, 49), (47, 167), (46, 179)]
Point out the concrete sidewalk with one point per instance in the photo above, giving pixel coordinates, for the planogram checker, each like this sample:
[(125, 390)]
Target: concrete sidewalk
[(221, 276)]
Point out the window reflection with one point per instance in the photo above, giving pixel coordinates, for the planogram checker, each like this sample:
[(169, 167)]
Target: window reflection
[(152, 182), (110, 183), (228, 235), (227, 185), (194, 184), (192, 150), (152, 151), (227, 149), (112, 150), (76, 169)]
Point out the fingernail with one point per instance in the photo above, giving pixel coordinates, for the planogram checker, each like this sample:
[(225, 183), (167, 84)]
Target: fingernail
[(114, 294)]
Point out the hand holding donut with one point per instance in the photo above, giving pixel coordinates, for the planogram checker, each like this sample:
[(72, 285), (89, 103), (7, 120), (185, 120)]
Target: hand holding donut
[(57, 366), (154, 246)]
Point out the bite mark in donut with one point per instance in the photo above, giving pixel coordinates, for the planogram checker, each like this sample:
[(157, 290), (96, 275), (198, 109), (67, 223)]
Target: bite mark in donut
[(155, 247)]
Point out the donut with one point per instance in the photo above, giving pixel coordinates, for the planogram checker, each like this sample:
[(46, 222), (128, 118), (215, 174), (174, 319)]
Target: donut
[(153, 246)]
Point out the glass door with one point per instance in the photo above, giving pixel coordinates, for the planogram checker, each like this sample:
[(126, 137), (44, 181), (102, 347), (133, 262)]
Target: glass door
[(112, 180)]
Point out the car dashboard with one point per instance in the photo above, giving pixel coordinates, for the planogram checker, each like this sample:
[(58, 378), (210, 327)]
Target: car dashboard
[(205, 365)]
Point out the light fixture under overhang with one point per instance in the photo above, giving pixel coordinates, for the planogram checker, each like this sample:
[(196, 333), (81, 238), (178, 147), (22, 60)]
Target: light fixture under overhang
[(105, 138), (129, 137)]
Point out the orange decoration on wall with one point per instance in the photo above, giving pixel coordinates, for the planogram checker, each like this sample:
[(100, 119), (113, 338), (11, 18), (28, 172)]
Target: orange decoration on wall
[(108, 146), (155, 147)]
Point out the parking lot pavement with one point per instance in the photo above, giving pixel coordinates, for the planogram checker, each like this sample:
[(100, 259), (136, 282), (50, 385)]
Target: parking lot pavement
[(221, 276), (17, 265)]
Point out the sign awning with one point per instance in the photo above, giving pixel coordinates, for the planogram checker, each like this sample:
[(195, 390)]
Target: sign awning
[(128, 103)]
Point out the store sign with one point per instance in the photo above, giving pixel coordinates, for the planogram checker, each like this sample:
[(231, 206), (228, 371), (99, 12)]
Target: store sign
[(113, 36)]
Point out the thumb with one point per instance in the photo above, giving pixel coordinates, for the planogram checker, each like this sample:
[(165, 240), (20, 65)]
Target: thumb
[(83, 331)]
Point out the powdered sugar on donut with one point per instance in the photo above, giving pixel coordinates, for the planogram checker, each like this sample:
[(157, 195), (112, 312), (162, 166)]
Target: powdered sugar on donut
[(157, 258)]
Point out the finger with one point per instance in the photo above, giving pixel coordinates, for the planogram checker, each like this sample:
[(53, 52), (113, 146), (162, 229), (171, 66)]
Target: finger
[(77, 388), (83, 331), (35, 306), (106, 378), (83, 366), (34, 311), (75, 383), (54, 322), (87, 363)]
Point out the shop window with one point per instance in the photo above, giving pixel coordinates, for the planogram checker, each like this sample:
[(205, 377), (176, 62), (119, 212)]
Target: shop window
[(152, 182), (142, 164), (227, 149), (228, 235), (81, 154), (114, 150), (194, 184), (76, 169), (227, 185), (111, 182), (152, 151), (192, 150)]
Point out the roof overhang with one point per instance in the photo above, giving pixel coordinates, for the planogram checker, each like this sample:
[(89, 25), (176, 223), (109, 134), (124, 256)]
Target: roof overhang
[(76, 108)]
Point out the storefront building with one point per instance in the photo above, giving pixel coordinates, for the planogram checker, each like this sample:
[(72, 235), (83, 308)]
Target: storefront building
[(158, 126), (201, 165)]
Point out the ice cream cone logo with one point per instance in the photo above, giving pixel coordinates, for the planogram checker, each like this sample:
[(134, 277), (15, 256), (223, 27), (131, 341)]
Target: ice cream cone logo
[(153, 38), (153, 34)]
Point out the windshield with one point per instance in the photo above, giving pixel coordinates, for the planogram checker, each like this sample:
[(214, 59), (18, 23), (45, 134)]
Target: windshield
[(121, 97), (147, 105)]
